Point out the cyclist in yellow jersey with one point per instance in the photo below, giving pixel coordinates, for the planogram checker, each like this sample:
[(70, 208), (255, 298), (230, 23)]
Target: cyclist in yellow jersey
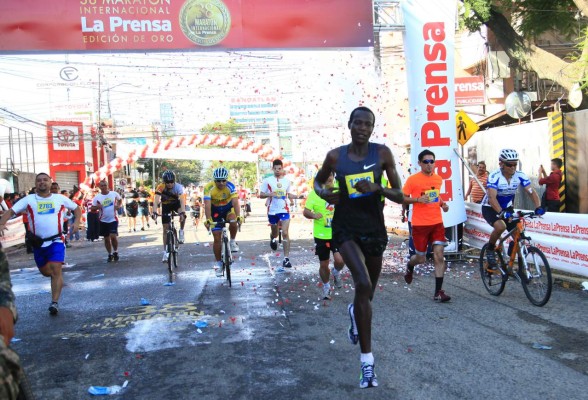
[(221, 202)]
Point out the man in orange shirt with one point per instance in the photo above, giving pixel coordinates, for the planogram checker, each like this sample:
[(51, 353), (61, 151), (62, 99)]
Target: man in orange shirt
[(422, 190), (475, 190)]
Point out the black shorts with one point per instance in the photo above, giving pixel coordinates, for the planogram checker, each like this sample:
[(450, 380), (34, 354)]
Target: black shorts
[(132, 210), (372, 244), (168, 208), (491, 216), (108, 228), (323, 248), (144, 210)]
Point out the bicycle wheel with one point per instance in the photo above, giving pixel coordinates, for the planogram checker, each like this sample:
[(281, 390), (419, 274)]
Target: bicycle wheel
[(227, 258), (492, 280), (170, 252), (176, 249), (536, 278)]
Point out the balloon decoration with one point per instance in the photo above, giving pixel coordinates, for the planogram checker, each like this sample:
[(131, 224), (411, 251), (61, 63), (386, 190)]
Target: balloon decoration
[(264, 152)]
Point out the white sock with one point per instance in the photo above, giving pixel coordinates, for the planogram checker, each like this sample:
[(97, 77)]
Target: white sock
[(335, 272), (367, 358), (327, 286)]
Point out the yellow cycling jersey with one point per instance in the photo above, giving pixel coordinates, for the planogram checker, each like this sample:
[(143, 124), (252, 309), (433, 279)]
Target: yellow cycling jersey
[(220, 198)]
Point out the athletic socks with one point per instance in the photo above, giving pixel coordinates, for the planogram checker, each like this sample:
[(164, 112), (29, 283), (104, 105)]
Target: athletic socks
[(438, 284), (367, 358)]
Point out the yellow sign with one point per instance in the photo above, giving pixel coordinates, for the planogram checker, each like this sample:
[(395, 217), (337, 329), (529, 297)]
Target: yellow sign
[(465, 127)]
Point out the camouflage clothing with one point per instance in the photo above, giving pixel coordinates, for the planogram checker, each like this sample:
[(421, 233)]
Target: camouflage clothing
[(10, 370)]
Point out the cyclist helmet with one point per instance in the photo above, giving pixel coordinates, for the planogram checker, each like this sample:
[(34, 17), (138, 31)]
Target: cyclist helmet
[(508, 155), (220, 173), (169, 176)]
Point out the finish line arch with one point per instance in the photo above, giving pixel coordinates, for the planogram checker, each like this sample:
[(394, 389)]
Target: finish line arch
[(160, 147)]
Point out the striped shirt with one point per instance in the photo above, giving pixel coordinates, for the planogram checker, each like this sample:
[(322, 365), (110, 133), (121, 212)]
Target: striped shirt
[(477, 192)]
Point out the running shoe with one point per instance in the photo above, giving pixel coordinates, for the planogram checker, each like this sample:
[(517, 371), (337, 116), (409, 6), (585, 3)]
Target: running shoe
[(441, 297), (142, 228), (53, 309), (234, 246), (352, 333), (491, 257), (326, 292), (115, 256), (367, 377), (181, 236), (273, 243), (110, 258), (218, 269), (165, 257), (337, 279), (408, 274), (286, 263)]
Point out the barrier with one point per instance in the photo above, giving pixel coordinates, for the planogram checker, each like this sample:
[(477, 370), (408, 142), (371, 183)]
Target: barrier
[(562, 237), (14, 234)]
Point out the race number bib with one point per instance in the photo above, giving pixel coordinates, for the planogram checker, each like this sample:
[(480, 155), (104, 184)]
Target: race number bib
[(45, 207), (433, 195), (280, 193), (351, 180), (107, 202)]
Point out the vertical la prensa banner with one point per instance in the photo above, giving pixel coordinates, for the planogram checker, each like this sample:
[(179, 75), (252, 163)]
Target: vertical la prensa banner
[(429, 49)]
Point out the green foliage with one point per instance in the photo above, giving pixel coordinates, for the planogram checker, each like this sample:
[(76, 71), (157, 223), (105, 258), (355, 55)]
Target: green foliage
[(240, 172), (187, 171), (531, 18), (230, 128)]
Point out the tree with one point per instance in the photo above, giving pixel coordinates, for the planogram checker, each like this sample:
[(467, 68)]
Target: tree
[(187, 171), (231, 127), (517, 23), (240, 172)]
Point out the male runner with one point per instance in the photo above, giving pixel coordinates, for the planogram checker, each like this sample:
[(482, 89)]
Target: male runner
[(498, 203), (131, 198), (358, 223), (106, 202), (144, 207), (278, 190), (196, 207), (221, 202), (45, 212), (422, 191), (171, 196), (322, 212)]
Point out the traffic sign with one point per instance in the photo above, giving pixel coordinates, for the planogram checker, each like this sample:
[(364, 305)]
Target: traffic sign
[(465, 127)]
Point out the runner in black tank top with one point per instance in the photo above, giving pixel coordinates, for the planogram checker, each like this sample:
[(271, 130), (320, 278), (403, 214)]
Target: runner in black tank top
[(358, 223)]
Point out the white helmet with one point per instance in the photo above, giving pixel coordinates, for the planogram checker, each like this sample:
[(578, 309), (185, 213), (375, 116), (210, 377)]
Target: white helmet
[(220, 173), (508, 155)]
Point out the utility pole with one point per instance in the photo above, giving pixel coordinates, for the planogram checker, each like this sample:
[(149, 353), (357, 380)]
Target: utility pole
[(99, 131)]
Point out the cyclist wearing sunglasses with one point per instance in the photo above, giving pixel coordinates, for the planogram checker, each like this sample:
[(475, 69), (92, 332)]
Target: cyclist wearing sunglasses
[(221, 202), (171, 195), (498, 203)]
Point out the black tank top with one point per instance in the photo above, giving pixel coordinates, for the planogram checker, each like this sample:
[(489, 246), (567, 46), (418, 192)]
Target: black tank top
[(359, 213)]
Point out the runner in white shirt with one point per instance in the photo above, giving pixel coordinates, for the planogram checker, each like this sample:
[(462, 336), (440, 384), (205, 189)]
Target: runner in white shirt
[(107, 202), (46, 212), (278, 191)]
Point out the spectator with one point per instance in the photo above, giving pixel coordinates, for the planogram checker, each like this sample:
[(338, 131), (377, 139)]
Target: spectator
[(550, 199), (477, 192)]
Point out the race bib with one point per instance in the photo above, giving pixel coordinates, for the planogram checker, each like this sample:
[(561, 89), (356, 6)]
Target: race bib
[(280, 193), (107, 202), (351, 180), (45, 207), (433, 195)]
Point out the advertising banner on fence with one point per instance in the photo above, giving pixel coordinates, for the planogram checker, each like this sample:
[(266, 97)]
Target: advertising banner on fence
[(14, 233), (562, 237), (429, 48), (118, 25)]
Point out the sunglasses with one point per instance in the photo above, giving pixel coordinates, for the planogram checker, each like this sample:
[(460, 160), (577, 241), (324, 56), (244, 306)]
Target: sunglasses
[(510, 164), (428, 161), (220, 180), (170, 182)]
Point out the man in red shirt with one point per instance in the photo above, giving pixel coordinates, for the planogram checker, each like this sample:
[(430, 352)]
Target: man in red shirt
[(552, 183)]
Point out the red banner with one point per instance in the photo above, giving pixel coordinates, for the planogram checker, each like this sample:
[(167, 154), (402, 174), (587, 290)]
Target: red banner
[(113, 25), (470, 90), (66, 147)]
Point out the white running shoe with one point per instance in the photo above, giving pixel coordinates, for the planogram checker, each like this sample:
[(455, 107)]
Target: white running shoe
[(181, 236), (165, 256), (218, 268), (234, 246), (327, 292)]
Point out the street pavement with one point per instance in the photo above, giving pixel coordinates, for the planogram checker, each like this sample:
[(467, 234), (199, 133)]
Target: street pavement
[(271, 336)]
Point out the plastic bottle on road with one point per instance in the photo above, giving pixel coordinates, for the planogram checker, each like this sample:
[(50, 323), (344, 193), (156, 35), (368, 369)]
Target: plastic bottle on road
[(104, 390)]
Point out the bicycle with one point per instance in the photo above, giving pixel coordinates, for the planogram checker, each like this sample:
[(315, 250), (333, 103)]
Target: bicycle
[(226, 254), (532, 269), (172, 246)]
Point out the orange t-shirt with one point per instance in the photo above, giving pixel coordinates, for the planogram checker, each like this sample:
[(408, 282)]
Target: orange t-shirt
[(417, 185)]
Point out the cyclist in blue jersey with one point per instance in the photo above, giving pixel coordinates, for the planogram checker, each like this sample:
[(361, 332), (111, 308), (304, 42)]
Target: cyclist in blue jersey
[(498, 203)]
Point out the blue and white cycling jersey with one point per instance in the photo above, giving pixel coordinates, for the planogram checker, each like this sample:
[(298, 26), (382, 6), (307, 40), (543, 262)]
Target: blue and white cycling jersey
[(505, 190)]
